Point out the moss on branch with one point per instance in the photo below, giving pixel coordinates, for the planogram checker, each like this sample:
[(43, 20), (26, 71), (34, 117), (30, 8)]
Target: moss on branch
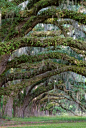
[(34, 20), (8, 47), (46, 66), (34, 58), (24, 83), (46, 33)]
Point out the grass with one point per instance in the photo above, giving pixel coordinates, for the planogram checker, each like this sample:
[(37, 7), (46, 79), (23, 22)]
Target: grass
[(49, 122), (50, 118), (58, 125)]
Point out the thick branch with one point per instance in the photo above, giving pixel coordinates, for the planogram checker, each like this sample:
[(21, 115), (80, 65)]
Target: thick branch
[(34, 58), (46, 33), (28, 26), (79, 70), (79, 51), (40, 42), (47, 66)]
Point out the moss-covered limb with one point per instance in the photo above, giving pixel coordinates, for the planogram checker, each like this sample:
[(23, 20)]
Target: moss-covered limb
[(41, 89), (39, 83), (64, 30), (47, 66), (23, 13), (58, 23), (16, 63), (5, 28), (14, 31), (38, 93), (28, 26), (64, 21), (45, 99), (56, 103), (5, 91), (23, 27), (8, 91), (27, 83), (69, 93), (81, 18), (79, 51), (73, 23), (61, 87), (56, 94), (36, 65), (46, 33), (34, 58), (31, 3), (52, 41), (56, 98), (49, 106), (17, 2), (37, 5), (67, 109), (79, 70), (42, 4), (47, 93), (14, 27), (56, 13), (8, 47)]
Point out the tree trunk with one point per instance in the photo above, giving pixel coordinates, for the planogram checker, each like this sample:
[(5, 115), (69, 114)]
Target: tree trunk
[(0, 107), (7, 106), (31, 110), (77, 106), (3, 62), (50, 112), (18, 111)]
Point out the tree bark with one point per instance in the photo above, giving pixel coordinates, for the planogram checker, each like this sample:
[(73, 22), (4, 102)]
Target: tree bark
[(3, 62), (18, 111), (7, 106)]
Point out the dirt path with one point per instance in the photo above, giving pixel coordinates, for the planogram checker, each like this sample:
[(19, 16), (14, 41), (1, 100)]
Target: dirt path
[(22, 125), (10, 124)]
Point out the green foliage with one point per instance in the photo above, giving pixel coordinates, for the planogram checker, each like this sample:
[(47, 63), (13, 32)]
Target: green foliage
[(19, 27), (9, 7)]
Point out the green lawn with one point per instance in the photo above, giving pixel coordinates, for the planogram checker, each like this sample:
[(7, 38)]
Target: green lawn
[(51, 118), (58, 125), (50, 122)]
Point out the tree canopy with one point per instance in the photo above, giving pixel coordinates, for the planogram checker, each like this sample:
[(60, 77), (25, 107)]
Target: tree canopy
[(64, 50)]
